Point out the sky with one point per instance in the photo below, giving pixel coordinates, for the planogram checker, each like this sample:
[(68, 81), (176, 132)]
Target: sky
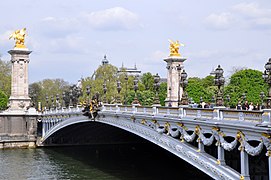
[(69, 39)]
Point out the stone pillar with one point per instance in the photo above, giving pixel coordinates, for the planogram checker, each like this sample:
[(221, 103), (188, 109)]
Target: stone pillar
[(19, 99), (173, 81)]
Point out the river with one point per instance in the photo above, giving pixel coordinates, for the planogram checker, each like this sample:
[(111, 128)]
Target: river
[(110, 162)]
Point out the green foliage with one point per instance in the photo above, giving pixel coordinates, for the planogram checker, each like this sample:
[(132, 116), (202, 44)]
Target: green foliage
[(246, 81), (163, 93), (148, 81), (196, 89), (47, 87), (5, 77), (3, 100)]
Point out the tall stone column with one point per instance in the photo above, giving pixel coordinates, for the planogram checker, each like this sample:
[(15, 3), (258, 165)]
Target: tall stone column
[(19, 99), (173, 81)]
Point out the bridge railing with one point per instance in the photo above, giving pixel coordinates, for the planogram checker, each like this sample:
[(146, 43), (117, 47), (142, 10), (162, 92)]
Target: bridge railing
[(217, 113)]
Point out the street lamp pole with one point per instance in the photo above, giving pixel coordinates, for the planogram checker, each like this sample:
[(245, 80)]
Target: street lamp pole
[(179, 68), (267, 78), (184, 83), (104, 89), (156, 88), (126, 88), (118, 89), (135, 88), (262, 97), (219, 81)]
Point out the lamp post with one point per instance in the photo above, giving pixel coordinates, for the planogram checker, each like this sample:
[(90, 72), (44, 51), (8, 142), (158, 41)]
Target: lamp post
[(228, 98), (57, 101), (156, 88), (118, 89), (104, 89), (219, 81), (71, 97), (126, 88), (267, 78), (135, 88), (179, 68), (184, 83), (88, 92), (63, 99), (52, 100), (47, 101), (262, 97)]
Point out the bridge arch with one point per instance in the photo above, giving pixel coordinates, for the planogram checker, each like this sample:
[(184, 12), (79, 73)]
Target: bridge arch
[(185, 151)]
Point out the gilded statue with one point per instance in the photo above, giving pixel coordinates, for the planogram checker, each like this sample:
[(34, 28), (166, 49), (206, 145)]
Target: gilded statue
[(19, 36), (174, 48)]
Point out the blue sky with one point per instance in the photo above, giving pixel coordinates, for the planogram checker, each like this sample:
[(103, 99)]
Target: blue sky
[(70, 38)]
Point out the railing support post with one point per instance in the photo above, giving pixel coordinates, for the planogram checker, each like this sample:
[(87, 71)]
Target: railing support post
[(244, 165), (221, 155), (200, 146)]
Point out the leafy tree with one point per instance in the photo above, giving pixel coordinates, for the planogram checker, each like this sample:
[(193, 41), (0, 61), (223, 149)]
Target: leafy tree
[(3, 100), (163, 93), (196, 89), (246, 81), (5, 77), (48, 88), (148, 81)]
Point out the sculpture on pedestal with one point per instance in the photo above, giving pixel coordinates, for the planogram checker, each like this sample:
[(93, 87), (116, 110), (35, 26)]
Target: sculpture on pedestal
[(174, 48), (19, 36)]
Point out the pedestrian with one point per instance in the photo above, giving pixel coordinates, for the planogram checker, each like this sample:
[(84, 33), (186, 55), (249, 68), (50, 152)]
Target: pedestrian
[(251, 106), (239, 106), (245, 106)]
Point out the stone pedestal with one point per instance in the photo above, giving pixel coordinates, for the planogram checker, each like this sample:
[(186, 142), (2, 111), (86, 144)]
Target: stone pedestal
[(19, 99), (174, 90)]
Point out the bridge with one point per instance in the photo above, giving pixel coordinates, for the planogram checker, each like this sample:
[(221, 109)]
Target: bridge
[(223, 143)]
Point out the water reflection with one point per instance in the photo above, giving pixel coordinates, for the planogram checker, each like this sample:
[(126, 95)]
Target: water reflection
[(88, 162)]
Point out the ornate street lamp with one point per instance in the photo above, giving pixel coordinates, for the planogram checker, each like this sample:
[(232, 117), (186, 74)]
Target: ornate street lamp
[(219, 81), (104, 89), (267, 78), (156, 88), (47, 101), (71, 97), (135, 88), (228, 98), (118, 89), (52, 100), (184, 83), (262, 97), (57, 101), (88, 89), (126, 88), (179, 68), (63, 99)]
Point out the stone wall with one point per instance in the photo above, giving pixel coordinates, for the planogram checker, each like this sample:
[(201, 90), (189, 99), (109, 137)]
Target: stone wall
[(18, 130)]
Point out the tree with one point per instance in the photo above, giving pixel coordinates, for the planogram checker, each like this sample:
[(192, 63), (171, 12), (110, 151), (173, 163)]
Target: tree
[(48, 87), (105, 74), (148, 81), (5, 77), (3, 100), (246, 81)]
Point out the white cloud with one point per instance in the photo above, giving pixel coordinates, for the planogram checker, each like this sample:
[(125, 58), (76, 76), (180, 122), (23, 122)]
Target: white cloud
[(253, 15), (116, 18), (251, 10), (219, 21)]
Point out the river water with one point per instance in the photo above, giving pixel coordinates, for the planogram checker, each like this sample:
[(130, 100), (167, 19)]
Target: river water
[(136, 162)]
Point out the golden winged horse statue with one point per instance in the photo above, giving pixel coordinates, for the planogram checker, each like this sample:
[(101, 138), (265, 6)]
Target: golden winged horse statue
[(19, 36)]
